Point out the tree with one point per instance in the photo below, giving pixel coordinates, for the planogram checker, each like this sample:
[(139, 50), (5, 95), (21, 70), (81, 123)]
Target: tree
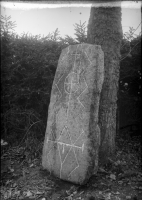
[(80, 32), (105, 29)]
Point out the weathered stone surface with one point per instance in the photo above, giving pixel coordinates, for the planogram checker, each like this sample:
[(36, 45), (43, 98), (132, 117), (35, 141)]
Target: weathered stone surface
[(72, 136)]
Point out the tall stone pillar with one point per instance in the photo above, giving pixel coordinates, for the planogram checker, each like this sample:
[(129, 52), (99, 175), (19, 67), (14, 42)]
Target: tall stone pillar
[(72, 136)]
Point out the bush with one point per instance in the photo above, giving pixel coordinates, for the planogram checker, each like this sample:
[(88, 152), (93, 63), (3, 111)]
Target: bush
[(28, 66)]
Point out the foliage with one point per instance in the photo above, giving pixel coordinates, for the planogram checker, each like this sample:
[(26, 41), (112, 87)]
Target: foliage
[(80, 32), (130, 66), (6, 25), (28, 65), (68, 40)]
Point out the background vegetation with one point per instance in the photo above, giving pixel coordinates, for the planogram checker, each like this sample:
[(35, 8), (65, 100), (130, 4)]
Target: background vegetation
[(28, 65)]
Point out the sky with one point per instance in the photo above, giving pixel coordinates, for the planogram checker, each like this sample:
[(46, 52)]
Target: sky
[(41, 18)]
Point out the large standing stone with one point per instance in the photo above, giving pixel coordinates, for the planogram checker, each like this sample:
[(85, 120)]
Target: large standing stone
[(72, 136)]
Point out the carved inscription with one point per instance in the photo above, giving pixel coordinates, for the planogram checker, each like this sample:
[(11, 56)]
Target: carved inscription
[(68, 143), (65, 144)]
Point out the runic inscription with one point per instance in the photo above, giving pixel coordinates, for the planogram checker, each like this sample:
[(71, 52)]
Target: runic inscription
[(66, 151), (65, 146), (71, 83)]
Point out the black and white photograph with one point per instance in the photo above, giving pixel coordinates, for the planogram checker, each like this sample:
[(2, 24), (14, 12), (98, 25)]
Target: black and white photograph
[(71, 100)]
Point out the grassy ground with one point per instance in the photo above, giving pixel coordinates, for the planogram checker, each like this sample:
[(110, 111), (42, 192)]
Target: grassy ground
[(120, 179)]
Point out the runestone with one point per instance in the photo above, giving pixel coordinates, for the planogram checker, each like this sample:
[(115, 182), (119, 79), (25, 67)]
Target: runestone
[(72, 136)]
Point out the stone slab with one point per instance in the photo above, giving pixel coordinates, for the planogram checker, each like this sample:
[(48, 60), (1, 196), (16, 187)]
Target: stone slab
[(72, 137)]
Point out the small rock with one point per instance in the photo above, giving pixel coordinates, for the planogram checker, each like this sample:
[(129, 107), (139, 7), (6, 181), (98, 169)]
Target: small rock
[(113, 177)]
